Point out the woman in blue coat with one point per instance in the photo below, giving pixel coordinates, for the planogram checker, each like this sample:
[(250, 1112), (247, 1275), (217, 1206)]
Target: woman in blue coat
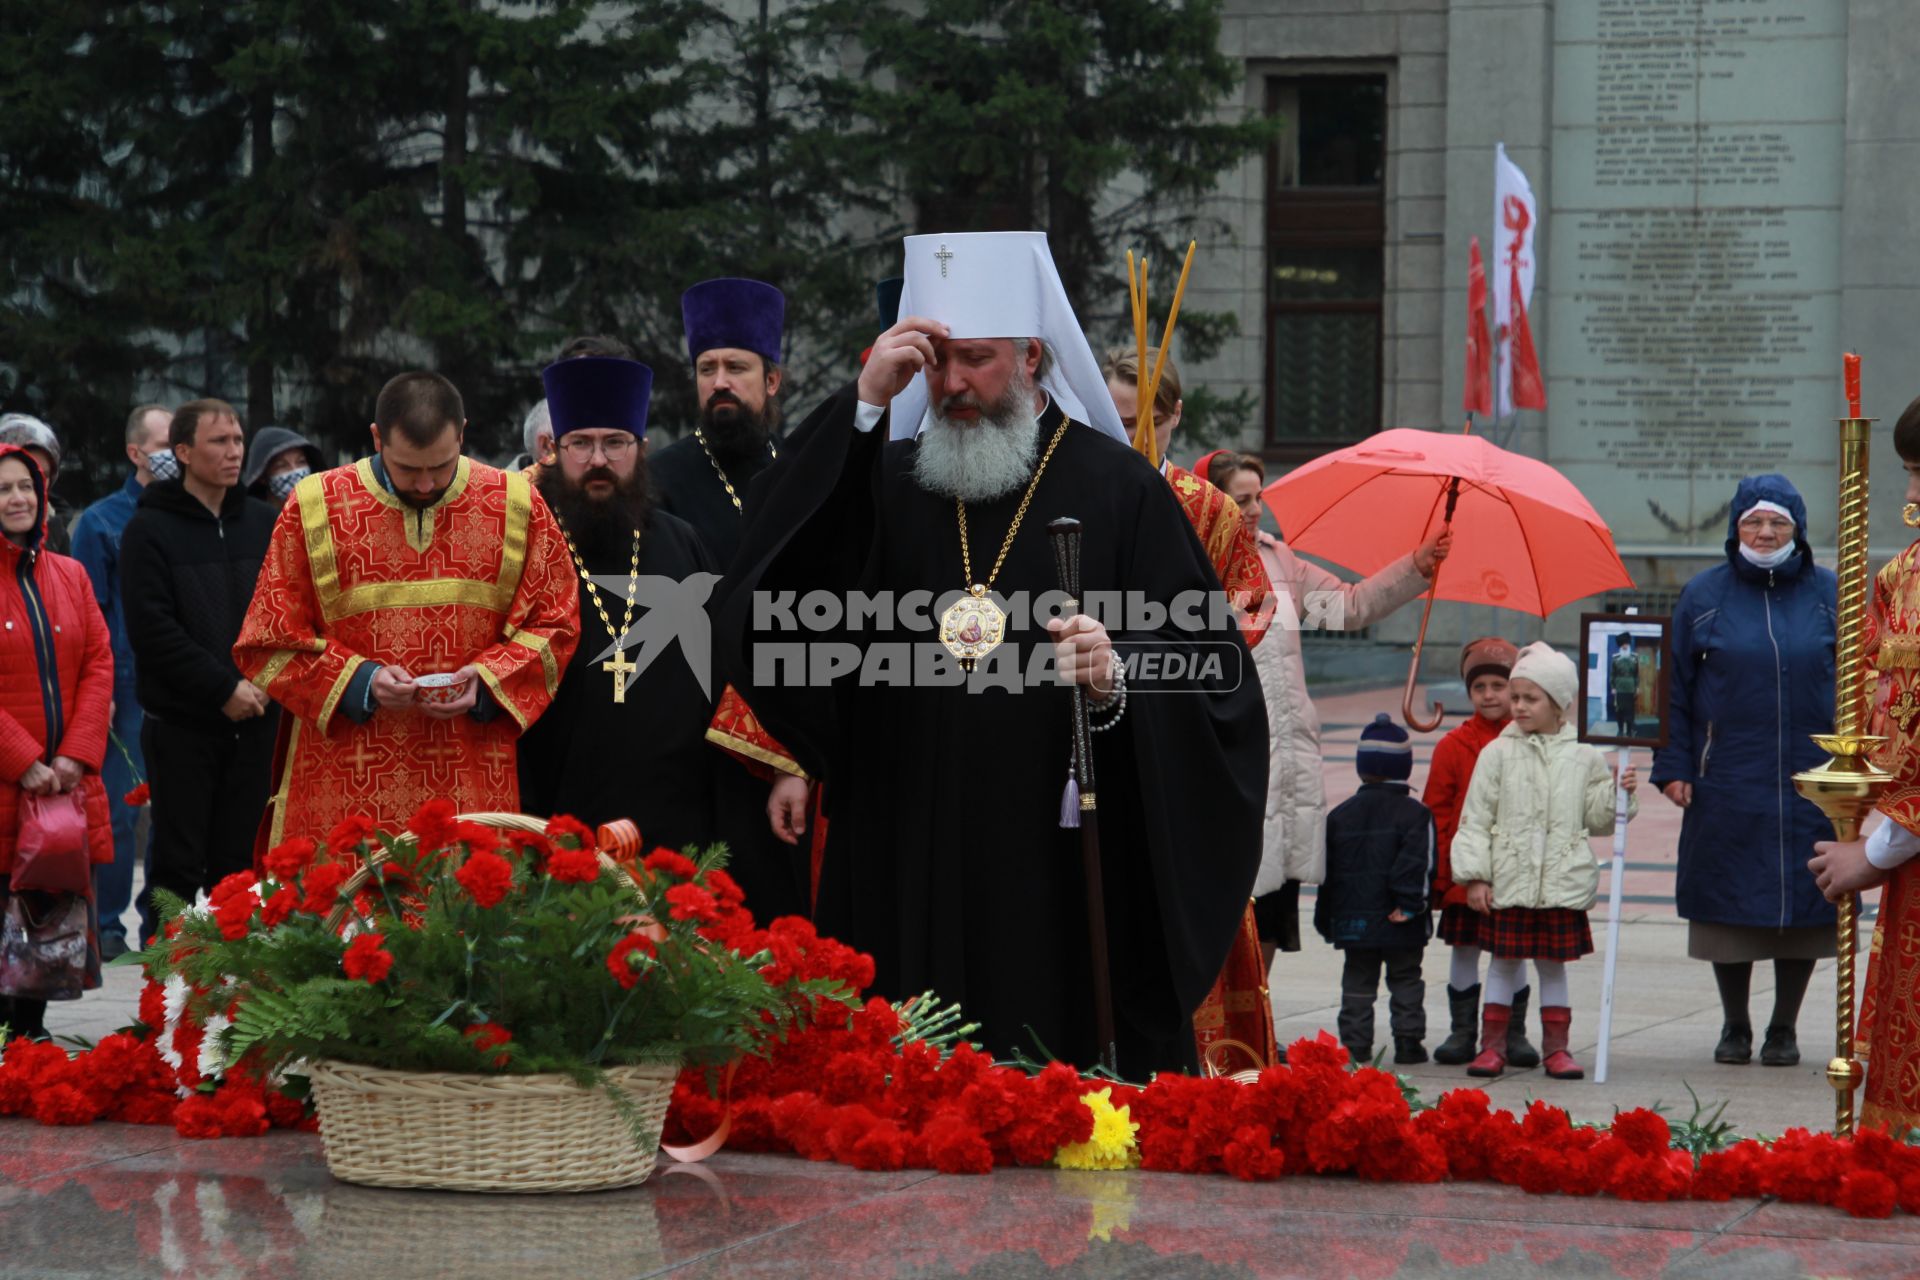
[(1752, 679)]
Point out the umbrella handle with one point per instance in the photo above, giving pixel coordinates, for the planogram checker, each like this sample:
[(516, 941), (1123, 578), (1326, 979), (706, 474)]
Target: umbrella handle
[(1413, 669)]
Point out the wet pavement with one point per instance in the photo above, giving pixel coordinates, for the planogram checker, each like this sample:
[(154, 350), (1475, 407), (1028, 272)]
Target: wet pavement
[(121, 1201)]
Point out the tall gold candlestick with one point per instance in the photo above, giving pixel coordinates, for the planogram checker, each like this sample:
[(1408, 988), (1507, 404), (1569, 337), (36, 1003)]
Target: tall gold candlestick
[(1848, 785)]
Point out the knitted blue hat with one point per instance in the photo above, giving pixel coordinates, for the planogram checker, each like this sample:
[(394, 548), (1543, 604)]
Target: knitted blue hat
[(731, 312), (598, 392), (1385, 751)]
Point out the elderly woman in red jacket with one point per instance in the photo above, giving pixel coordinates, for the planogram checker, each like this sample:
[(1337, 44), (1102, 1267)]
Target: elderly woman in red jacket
[(56, 693)]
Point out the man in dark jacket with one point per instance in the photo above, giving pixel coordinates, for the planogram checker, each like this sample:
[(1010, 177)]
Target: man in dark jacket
[(96, 545), (188, 562), (1373, 905)]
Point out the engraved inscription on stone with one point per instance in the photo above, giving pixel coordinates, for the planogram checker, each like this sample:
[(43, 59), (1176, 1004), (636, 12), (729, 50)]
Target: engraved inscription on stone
[(1693, 250)]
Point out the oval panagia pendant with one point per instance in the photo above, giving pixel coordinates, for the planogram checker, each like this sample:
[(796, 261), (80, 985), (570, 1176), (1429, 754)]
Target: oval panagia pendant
[(973, 626)]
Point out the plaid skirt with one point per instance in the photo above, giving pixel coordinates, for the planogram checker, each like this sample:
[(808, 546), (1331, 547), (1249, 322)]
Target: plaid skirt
[(1462, 926), (1543, 933)]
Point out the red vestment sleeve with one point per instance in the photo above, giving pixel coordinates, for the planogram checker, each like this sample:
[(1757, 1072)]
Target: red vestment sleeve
[(738, 732), (543, 625), (280, 647)]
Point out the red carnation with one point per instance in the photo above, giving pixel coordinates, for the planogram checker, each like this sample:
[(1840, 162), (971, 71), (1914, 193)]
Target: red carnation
[(322, 885), (529, 843), (624, 961), (281, 905), (725, 888), (367, 958), (1867, 1193), (490, 1035), (563, 827), (574, 866), (691, 902), (137, 797), (1252, 1157), (1643, 1131), (231, 886), (665, 861), (234, 914), (433, 824), (153, 1005), (286, 860), (487, 876), (349, 834), (284, 1112), (477, 838)]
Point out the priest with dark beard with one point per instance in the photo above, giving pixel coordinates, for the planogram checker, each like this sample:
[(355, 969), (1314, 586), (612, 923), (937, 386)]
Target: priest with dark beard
[(623, 738), (734, 333), (951, 852)]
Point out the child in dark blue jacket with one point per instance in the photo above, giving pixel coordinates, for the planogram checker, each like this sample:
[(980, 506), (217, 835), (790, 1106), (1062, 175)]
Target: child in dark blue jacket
[(1374, 903)]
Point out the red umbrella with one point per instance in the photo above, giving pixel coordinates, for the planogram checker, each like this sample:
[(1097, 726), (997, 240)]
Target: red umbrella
[(1524, 538)]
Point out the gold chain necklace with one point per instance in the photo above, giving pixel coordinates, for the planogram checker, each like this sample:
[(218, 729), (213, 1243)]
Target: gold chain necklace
[(973, 626), (619, 666), (773, 454)]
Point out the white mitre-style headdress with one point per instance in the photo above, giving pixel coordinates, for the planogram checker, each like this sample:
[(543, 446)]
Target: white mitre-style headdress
[(1001, 284)]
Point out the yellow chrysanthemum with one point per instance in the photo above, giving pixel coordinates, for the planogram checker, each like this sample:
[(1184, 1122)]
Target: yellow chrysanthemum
[(1111, 1145)]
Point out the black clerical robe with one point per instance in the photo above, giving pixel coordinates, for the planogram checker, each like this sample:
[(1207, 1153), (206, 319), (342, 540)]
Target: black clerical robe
[(644, 758), (686, 484), (945, 858)]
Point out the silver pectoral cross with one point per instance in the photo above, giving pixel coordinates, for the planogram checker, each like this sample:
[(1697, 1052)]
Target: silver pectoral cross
[(944, 254)]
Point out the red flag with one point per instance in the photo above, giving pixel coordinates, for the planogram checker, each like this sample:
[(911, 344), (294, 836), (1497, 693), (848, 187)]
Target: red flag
[(1529, 392), (1479, 393)]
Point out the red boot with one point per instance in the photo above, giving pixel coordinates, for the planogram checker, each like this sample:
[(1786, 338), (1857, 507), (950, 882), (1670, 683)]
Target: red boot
[(1493, 1041), (1555, 1021)]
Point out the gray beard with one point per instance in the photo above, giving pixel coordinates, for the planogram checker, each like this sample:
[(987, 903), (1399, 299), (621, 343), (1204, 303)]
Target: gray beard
[(984, 459)]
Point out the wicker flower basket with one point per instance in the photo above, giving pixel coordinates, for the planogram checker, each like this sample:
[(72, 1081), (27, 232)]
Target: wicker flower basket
[(502, 1133)]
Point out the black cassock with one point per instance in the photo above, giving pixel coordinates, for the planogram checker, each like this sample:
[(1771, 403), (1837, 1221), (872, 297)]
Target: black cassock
[(946, 859), (645, 758), (685, 484)]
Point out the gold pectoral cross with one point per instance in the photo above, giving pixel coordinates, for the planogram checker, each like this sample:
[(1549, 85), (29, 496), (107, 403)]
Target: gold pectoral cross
[(620, 668)]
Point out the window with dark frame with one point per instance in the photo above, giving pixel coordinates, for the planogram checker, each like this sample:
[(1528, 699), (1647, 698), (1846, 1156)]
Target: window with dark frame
[(1326, 258)]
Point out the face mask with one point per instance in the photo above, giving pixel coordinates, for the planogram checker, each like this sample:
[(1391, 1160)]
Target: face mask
[(1767, 559), (281, 485), (163, 465)]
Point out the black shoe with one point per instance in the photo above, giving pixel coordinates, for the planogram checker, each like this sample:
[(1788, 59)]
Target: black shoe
[(1362, 1054), (1280, 1056), (1408, 1052), (1736, 1044), (1520, 1050), (112, 947), (1782, 1049), (1464, 1043)]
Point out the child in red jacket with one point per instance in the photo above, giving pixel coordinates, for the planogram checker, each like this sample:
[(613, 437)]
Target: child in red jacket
[(1485, 665)]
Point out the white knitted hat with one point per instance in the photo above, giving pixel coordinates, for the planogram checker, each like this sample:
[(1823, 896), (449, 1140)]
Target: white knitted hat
[(1552, 670)]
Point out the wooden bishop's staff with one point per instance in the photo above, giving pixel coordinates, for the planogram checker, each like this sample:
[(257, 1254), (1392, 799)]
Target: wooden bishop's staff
[(1065, 533)]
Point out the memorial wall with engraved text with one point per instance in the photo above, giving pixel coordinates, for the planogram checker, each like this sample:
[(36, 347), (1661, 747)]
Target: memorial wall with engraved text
[(1693, 252)]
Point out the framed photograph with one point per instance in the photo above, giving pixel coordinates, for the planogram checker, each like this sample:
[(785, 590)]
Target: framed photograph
[(1623, 699)]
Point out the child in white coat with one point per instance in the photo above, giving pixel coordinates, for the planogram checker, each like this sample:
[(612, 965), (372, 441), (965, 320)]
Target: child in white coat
[(1521, 851)]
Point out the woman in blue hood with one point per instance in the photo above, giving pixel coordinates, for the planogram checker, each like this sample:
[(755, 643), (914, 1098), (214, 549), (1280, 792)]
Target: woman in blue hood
[(1752, 679)]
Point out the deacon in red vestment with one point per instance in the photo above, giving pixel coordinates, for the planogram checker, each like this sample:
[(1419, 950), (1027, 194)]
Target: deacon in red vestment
[(414, 562), (1888, 1031), (1236, 1017)]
